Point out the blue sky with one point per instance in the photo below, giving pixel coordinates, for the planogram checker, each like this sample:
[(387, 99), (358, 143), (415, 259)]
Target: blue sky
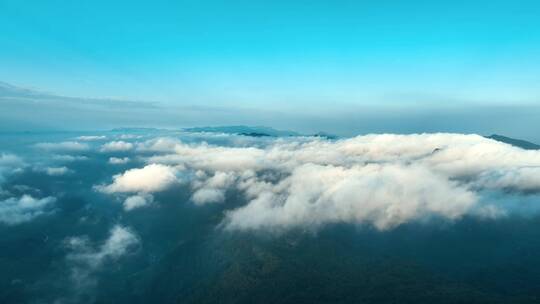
[(277, 55)]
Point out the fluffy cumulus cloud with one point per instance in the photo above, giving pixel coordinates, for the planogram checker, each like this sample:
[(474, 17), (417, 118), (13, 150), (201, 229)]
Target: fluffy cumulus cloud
[(9, 163), (15, 211), (118, 160), (380, 180), (116, 146), (137, 201), (10, 160), (151, 178), (382, 195), (74, 146), (160, 144), (57, 171), (211, 189)]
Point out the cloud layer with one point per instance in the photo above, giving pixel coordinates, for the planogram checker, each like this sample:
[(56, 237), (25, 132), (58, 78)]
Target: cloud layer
[(381, 180), (116, 146), (63, 146)]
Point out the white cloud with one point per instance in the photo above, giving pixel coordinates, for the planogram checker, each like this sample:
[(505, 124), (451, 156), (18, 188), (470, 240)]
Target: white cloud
[(382, 195), (381, 180), (91, 137), (160, 144), (151, 178), (116, 146), (138, 201), (69, 158), (129, 136), (118, 160), (9, 163), (119, 241), (63, 146), (86, 259), (57, 171), (10, 160), (24, 209), (208, 195), (517, 179), (211, 189)]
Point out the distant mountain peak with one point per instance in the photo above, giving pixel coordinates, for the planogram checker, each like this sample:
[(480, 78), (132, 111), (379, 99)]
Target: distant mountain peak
[(325, 135), (514, 142)]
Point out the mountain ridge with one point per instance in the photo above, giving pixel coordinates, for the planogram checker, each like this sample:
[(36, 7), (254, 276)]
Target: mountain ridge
[(514, 142)]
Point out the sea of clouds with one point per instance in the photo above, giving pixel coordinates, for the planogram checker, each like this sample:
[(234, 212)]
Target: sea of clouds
[(264, 184), (308, 182), (382, 180)]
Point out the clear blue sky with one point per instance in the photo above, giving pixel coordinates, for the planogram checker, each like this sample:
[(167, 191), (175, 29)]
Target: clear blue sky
[(403, 66), (268, 53)]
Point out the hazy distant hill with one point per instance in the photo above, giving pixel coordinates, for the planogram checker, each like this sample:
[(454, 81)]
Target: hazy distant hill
[(325, 135), (258, 131), (245, 130), (515, 142)]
